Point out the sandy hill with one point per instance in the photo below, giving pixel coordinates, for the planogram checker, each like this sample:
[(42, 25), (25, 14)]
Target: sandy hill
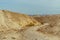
[(15, 20), (11, 24)]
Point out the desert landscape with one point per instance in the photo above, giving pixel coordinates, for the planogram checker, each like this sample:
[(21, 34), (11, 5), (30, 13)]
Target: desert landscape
[(18, 26)]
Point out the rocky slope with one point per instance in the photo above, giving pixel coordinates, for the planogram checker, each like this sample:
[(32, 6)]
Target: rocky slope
[(52, 19), (12, 23), (53, 27), (15, 26), (15, 20)]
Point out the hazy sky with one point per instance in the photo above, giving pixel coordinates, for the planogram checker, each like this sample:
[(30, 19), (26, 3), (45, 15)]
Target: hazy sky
[(31, 6)]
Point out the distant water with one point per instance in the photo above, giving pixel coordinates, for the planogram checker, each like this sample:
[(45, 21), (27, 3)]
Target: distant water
[(32, 6)]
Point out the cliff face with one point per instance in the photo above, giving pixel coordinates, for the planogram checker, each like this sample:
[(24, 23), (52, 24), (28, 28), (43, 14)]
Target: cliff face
[(12, 20)]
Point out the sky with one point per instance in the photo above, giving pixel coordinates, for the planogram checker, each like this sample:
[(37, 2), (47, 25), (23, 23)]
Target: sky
[(31, 6)]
